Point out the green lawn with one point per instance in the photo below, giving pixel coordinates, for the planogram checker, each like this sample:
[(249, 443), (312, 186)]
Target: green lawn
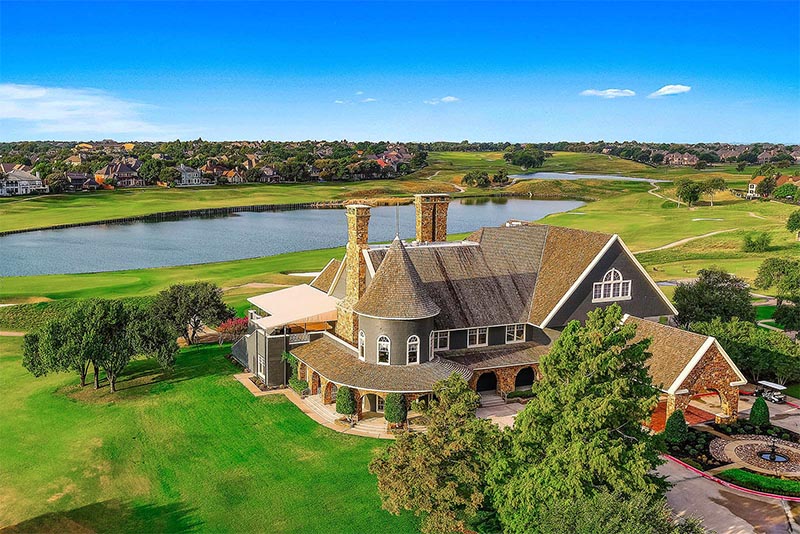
[(188, 450)]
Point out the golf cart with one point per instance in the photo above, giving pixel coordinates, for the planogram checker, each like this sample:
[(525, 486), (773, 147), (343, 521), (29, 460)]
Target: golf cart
[(771, 392)]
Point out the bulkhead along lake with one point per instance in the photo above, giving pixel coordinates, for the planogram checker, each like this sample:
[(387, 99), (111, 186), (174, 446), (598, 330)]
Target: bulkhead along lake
[(577, 176), (112, 247)]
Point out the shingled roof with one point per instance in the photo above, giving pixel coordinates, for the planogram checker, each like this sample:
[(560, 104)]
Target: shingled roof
[(340, 364), (497, 356), (325, 278), (396, 290)]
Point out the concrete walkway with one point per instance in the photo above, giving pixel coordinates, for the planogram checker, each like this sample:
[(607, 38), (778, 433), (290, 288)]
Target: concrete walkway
[(11, 334)]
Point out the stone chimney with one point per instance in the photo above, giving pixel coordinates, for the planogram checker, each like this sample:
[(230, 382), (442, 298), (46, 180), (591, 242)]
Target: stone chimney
[(357, 239), (431, 217)]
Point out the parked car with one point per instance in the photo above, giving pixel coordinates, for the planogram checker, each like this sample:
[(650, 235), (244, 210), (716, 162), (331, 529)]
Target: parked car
[(771, 392)]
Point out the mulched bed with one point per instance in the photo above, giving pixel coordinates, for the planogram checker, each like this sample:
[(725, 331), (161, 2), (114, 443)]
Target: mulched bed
[(743, 426), (696, 451)]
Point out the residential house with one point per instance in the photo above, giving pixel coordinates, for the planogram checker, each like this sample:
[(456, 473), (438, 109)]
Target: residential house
[(121, 174), (767, 155), (753, 184), (398, 318), (251, 162), (76, 159), (192, 177), (676, 158), (19, 182), (212, 167), (8, 167), (233, 176), (81, 181)]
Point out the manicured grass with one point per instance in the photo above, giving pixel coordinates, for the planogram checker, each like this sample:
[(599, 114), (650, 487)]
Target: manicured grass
[(793, 390), (756, 481), (764, 312), (179, 451)]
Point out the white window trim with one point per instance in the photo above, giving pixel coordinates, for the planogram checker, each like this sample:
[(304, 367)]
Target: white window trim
[(408, 347), (362, 349), (477, 335), (514, 333), (389, 349), (447, 339), (603, 283)]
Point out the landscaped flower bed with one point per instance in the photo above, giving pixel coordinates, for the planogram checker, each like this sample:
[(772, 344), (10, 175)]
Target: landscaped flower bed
[(694, 450), (759, 482), (746, 427)]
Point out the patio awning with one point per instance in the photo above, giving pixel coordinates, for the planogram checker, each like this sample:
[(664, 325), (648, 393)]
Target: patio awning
[(297, 304)]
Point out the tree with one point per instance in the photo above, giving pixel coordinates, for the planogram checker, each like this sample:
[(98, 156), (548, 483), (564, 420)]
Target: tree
[(756, 242), (476, 179), (715, 293), (526, 157), (394, 408), (676, 431), (345, 402), (149, 336), (766, 186), (169, 175), (713, 185), (793, 223), (57, 182), (741, 166), (232, 329), (688, 191), (253, 175), (607, 513), (151, 170), (419, 159), (440, 474), (759, 413), (581, 433), (787, 315), (187, 307), (785, 191), (114, 345), (500, 177), (700, 165)]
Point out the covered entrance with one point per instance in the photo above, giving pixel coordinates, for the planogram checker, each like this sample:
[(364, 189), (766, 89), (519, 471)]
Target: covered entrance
[(486, 382), (524, 380), (371, 402)]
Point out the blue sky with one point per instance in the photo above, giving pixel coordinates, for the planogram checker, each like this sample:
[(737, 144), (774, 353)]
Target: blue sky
[(401, 71)]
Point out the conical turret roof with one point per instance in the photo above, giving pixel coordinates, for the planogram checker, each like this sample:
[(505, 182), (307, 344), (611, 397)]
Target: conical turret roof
[(396, 291)]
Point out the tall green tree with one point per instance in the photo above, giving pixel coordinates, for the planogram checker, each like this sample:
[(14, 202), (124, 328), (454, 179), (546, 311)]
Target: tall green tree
[(582, 431), (715, 293), (712, 186), (440, 474), (476, 179), (793, 223), (187, 307), (57, 182), (688, 191)]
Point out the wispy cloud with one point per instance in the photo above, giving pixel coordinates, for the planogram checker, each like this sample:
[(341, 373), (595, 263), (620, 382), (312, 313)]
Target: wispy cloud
[(359, 93), (339, 102), (608, 93), (675, 89), (443, 100), (367, 100), (70, 110)]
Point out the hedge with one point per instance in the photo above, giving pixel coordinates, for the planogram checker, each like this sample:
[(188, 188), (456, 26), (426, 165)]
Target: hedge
[(394, 408), (756, 481)]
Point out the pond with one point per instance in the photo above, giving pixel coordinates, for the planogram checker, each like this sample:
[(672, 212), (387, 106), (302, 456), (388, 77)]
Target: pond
[(576, 176), (111, 247)]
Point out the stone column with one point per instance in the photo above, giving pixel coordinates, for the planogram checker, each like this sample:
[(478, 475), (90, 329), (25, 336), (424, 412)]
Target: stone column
[(357, 240), (431, 217)]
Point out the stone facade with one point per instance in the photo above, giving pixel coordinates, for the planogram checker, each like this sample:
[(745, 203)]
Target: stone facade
[(506, 377), (357, 236), (712, 373), (431, 217)]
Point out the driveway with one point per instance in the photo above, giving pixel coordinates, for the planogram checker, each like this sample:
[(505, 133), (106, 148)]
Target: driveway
[(783, 415), (726, 511)]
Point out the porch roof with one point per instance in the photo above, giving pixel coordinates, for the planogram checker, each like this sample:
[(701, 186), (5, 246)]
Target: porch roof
[(297, 304)]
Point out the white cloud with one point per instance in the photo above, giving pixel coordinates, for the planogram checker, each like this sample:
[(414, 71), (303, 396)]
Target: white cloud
[(443, 100), (367, 100), (338, 101), (608, 93), (675, 89), (65, 110), (359, 93)]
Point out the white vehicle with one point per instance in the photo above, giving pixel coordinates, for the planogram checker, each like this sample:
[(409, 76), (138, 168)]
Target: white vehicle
[(771, 392)]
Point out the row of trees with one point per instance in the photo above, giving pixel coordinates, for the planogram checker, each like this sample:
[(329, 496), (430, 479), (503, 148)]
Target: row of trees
[(482, 179), (576, 459), (689, 191)]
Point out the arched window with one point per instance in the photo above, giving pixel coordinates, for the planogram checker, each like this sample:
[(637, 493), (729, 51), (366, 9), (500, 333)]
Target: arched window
[(384, 346), (412, 350), (362, 342), (613, 287)]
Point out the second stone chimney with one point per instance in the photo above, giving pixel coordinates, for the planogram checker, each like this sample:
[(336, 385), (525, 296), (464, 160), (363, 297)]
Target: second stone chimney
[(431, 212), (356, 271)]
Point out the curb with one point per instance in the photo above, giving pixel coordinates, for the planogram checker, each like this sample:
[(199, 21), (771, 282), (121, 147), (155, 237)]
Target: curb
[(728, 484)]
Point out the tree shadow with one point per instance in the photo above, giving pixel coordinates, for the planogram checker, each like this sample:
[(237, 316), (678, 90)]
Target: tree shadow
[(113, 516)]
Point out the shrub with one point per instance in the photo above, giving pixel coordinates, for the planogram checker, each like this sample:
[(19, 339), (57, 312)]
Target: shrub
[(676, 431), (345, 403), (759, 414), (758, 242), (521, 394), (394, 408), (298, 385), (760, 482)]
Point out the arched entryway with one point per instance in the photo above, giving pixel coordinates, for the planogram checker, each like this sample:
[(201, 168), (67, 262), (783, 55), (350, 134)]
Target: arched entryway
[(314, 383), (330, 393), (525, 379), (371, 402), (486, 382)]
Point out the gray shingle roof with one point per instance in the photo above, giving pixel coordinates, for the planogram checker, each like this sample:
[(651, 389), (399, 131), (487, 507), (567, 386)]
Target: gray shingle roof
[(325, 278), (339, 363), (497, 356), (396, 290)]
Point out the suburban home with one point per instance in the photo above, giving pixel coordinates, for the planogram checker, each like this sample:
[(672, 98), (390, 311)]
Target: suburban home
[(400, 317), (76, 159), (8, 167), (781, 180), (81, 181), (123, 174), (212, 167), (192, 177), (233, 176), (19, 182), (675, 158)]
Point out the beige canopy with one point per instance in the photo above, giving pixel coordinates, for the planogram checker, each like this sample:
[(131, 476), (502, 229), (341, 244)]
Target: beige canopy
[(297, 304)]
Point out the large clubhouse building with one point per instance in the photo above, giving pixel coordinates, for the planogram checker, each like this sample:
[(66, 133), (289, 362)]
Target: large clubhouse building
[(400, 317)]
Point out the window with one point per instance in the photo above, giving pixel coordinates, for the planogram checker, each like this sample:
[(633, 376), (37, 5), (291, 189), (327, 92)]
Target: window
[(613, 287), (362, 342), (383, 350), (412, 350), (515, 333), (441, 340), (477, 337), (379, 404)]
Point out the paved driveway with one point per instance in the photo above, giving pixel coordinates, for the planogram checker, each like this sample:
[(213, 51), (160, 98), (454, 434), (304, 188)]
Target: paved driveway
[(726, 511), (783, 415)]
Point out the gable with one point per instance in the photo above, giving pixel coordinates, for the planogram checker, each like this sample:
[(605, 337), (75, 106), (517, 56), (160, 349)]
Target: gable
[(646, 300)]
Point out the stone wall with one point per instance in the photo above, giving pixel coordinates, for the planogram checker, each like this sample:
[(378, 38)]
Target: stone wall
[(506, 377)]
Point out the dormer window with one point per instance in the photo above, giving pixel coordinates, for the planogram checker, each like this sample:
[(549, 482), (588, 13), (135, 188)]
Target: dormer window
[(362, 342), (477, 337), (384, 346), (613, 287), (515, 333), (412, 350)]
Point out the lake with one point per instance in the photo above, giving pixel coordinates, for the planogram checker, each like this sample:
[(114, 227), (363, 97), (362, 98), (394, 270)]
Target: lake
[(576, 176), (111, 247)]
